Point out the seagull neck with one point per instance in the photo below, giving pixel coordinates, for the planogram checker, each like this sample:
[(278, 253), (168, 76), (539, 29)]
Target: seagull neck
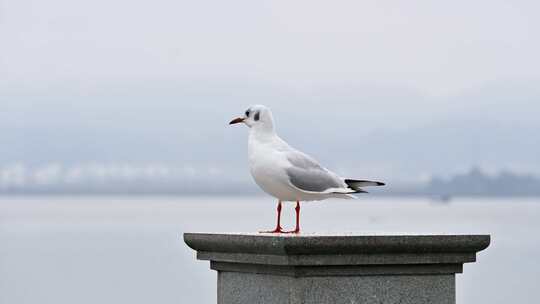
[(263, 133)]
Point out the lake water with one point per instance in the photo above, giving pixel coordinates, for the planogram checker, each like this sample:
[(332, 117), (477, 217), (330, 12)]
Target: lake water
[(64, 250)]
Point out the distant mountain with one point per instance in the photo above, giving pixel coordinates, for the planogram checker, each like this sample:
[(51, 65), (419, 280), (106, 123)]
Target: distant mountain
[(116, 137), (159, 179), (477, 183)]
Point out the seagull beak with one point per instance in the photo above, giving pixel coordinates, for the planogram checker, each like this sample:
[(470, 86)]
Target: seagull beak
[(237, 120)]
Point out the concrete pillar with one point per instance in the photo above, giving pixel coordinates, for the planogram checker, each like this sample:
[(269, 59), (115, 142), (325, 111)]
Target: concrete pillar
[(340, 269)]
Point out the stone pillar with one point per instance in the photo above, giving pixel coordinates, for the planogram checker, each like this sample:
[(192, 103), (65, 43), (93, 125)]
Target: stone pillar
[(340, 269)]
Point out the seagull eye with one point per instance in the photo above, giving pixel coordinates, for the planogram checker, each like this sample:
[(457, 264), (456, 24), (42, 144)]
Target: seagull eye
[(247, 113)]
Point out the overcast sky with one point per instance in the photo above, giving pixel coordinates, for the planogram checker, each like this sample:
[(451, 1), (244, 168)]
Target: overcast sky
[(362, 67), (435, 47)]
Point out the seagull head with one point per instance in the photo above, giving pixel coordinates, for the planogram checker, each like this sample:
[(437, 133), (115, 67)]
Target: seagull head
[(257, 116)]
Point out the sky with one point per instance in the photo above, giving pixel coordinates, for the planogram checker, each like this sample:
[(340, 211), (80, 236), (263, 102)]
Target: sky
[(396, 89)]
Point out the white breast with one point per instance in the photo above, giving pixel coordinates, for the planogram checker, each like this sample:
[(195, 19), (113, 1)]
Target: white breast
[(267, 165)]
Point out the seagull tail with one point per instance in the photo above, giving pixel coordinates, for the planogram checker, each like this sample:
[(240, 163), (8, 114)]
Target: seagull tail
[(356, 184)]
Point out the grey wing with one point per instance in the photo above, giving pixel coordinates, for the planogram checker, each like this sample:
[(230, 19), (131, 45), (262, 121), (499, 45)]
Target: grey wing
[(307, 175)]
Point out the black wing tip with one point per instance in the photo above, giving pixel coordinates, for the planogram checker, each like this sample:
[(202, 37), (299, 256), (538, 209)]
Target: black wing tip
[(348, 181)]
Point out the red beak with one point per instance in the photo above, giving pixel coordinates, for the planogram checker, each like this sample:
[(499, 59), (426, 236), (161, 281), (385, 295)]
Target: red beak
[(236, 120)]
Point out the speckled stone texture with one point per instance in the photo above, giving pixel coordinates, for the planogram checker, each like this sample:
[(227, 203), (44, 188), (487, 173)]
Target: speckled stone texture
[(236, 287), (260, 268)]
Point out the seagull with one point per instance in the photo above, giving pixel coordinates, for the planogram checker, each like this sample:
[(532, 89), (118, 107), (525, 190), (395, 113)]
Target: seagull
[(288, 174)]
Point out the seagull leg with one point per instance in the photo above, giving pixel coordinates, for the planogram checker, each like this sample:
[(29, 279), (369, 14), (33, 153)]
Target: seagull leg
[(278, 226), (297, 209)]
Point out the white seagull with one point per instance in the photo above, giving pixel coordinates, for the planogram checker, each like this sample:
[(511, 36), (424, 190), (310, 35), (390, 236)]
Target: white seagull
[(288, 174)]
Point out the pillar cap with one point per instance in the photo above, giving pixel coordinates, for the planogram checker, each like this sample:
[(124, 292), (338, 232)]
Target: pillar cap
[(305, 255), (290, 244)]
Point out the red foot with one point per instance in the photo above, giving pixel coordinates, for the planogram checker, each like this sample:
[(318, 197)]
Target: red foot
[(277, 230), (297, 230), (278, 225)]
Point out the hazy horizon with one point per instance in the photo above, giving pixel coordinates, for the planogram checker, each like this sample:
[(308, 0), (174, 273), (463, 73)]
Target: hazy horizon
[(393, 91)]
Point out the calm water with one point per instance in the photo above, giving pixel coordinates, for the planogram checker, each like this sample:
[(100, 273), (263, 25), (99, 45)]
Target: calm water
[(129, 250)]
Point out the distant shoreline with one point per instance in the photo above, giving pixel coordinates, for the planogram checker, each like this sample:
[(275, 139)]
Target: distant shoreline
[(249, 194)]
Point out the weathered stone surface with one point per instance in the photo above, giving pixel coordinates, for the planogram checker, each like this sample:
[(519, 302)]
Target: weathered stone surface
[(326, 244), (271, 289), (258, 268), (340, 270)]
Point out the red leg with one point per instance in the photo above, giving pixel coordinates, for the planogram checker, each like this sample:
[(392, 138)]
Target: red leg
[(297, 209), (278, 226)]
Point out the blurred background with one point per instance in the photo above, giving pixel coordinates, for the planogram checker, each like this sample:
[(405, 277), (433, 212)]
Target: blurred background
[(113, 118)]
